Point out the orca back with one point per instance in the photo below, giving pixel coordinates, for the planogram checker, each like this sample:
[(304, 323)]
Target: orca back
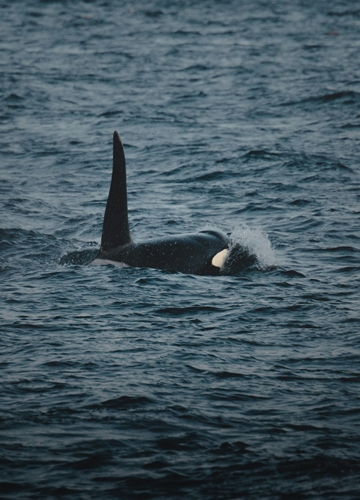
[(186, 253)]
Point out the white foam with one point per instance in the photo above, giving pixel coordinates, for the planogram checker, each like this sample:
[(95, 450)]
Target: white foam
[(256, 242), (105, 262)]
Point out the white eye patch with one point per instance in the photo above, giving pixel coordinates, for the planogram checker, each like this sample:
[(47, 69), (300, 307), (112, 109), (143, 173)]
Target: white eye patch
[(219, 259)]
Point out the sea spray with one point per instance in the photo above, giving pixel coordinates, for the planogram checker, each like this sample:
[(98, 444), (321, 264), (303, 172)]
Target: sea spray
[(249, 247)]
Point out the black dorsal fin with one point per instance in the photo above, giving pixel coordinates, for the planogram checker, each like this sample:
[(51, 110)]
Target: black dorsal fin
[(116, 231)]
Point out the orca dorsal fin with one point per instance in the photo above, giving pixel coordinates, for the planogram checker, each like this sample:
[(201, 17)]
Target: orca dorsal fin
[(116, 231)]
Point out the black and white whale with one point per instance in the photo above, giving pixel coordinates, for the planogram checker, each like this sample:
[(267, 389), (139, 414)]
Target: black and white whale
[(200, 253)]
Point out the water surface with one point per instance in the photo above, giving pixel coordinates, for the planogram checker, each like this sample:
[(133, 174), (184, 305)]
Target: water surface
[(137, 383)]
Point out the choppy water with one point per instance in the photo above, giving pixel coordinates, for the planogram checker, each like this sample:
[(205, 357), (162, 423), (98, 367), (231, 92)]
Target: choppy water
[(138, 383)]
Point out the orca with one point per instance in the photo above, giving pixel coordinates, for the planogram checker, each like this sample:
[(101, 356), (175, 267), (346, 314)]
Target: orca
[(201, 253)]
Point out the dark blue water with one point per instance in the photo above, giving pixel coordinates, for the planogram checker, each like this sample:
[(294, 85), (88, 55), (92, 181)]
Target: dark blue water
[(138, 383)]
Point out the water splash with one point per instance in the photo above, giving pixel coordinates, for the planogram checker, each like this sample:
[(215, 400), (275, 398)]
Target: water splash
[(79, 257), (250, 247)]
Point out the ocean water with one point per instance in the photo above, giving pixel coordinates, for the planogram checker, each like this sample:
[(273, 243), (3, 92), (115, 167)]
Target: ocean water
[(132, 383)]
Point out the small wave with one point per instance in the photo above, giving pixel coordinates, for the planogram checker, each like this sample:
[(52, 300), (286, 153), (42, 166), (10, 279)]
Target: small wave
[(78, 258), (126, 402), (334, 96), (261, 154), (154, 13), (249, 248), (346, 96), (355, 13), (13, 98), (185, 311)]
